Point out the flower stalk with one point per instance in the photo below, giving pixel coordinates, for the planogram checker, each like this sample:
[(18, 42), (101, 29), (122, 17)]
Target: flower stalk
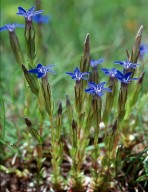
[(57, 152), (77, 155), (122, 101), (69, 110), (110, 98), (39, 140)]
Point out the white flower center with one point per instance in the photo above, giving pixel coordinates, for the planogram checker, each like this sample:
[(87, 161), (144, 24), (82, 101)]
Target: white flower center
[(42, 70), (79, 76)]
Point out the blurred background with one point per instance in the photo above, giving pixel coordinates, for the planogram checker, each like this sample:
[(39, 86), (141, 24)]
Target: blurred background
[(112, 25)]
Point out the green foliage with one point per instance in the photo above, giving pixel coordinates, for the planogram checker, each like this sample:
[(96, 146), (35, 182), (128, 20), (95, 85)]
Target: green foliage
[(73, 131)]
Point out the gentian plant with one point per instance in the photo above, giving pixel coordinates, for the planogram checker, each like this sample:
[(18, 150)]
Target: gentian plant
[(77, 75), (10, 27), (41, 70), (28, 14), (97, 89), (89, 136), (14, 41)]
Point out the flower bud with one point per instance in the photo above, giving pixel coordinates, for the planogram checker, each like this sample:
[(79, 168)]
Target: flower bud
[(30, 41), (69, 109), (16, 47), (46, 90), (33, 131), (85, 60)]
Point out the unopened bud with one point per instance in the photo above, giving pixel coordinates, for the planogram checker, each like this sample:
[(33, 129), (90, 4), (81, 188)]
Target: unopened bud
[(16, 47), (74, 124), (32, 81), (60, 109), (28, 122)]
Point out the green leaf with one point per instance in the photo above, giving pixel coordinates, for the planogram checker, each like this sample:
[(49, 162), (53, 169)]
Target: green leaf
[(35, 135), (2, 119), (142, 178)]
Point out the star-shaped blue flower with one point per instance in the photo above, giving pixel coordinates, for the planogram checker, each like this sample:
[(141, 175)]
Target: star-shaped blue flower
[(41, 18), (41, 70), (110, 72), (94, 63), (143, 49), (97, 89), (77, 75), (125, 78), (10, 27), (28, 14), (127, 64)]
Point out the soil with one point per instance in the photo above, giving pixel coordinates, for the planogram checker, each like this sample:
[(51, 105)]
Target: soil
[(21, 175)]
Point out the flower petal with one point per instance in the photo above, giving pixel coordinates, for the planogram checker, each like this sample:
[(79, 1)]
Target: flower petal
[(74, 77), (90, 91), (37, 12), (4, 28), (100, 94), (41, 18), (51, 71), (19, 25), (107, 89), (21, 11), (85, 73), (92, 84), (134, 78), (33, 71), (128, 74), (41, 75), (49, 66), (39, 66), (104, 69), (119, 62), (119, 74), (31, 9), (101, 84), (85, 78), (76, 70), (70, 73)]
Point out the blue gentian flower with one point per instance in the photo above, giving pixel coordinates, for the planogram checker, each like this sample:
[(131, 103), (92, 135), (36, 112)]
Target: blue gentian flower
[(143, 49), (94, 63), (125, 78), (97, 89), (127, 64), (110, 72), (77, 75), (10, 27), (41, 70), (41, 18), (28, 14)]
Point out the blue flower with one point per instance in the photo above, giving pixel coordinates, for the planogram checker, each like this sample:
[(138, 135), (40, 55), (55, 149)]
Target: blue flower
[(28, 14), (41, 18), (41, 70), (97, 89), (110, 72), (143, 49), (94, 63), (10, 27), (77, 75), (127, 64), (125, 78)]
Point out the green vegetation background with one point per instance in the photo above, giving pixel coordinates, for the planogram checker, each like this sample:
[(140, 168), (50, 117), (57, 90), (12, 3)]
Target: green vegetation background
[(112, 25)]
